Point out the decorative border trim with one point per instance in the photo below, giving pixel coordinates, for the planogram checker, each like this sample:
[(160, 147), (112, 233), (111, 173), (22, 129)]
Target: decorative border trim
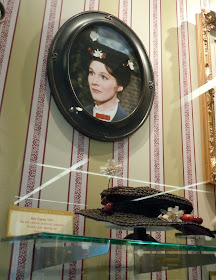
[(205, 22)]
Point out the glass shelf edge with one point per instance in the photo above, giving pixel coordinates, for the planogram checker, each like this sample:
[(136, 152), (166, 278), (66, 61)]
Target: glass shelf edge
[(100, 240)]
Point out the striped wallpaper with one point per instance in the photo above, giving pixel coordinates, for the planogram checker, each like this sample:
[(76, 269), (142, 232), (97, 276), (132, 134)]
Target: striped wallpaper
[(37, 144)]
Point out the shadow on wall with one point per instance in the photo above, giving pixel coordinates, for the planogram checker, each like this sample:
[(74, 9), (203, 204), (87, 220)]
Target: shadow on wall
[(173, 111)]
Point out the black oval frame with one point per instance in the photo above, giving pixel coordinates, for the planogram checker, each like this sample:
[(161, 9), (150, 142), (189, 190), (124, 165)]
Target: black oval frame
[(66, 99), (3, 13)]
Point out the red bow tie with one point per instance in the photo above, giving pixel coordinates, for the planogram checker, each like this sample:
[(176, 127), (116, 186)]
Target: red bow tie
[(103, 117)]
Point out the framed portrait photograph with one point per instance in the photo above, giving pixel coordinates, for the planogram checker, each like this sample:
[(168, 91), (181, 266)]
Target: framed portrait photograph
[(100, 76)]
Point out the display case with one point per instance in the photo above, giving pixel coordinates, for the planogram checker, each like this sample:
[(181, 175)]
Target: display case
[(48, 165), (53, 250)]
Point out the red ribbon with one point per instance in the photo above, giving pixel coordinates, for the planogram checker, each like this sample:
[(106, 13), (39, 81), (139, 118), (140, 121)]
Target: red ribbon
[(103, 117)]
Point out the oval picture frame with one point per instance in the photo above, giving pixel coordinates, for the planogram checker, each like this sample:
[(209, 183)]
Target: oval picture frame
[(85, 42)]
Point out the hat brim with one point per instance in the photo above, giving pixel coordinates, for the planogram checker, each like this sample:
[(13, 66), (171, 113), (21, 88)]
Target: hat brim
[(135, 220)]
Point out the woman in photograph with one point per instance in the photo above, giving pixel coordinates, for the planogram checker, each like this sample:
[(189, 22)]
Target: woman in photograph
[(109, 74)]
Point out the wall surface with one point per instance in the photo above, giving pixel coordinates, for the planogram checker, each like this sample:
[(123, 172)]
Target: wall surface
[(37, 144)]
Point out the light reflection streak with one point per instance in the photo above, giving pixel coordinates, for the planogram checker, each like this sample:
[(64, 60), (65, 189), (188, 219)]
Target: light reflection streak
[(62, 174), (75, 166), (184, 188), (55, 201), (133, 180), (197, 92)]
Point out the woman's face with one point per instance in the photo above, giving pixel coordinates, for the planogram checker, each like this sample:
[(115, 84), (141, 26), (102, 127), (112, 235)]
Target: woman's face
[(103, 86)]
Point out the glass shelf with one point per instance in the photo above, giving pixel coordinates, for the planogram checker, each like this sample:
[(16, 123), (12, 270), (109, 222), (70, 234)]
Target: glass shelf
[(41, 237), (51, 250)]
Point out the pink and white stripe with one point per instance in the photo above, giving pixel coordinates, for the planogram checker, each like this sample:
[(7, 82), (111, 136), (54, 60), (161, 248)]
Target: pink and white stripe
[(205, 4), (36, 138), (7, 30), (156, 116), (188, 145), (77, 194), (21, 266), (125, 11), (120, 155), (118, 254), (78, 181), (92, 5)]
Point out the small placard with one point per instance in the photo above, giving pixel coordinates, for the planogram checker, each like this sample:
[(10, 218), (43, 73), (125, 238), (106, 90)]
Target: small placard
[(26, 220)]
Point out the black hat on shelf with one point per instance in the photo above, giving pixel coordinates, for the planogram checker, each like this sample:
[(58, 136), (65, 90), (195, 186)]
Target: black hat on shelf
[(129, 210)]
